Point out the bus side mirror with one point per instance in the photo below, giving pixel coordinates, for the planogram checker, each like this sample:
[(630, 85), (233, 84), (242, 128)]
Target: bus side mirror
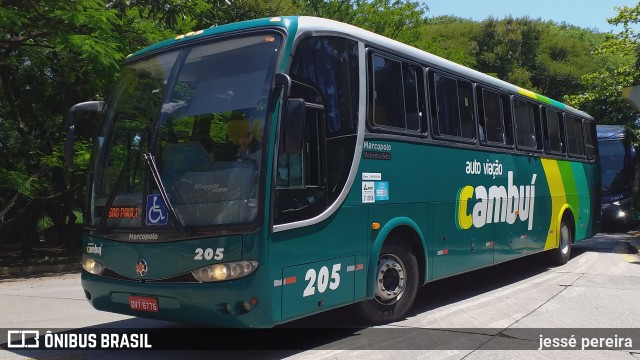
[(89, 106), (284, 81), (294, 126)]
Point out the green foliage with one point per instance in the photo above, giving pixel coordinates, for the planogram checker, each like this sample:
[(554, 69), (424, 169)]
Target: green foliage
[(396, 19), (504, 48), (21, 182), (618, 59), (448, 37), (563, 57)]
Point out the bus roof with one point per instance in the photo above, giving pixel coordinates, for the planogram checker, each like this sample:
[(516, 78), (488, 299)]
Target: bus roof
[(299, 25)]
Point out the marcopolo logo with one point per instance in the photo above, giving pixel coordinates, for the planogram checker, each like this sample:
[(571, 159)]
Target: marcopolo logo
[(152, 236), (497, 204), (376, 147)]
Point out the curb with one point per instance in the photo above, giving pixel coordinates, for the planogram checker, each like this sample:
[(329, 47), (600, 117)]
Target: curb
[(38, 269)]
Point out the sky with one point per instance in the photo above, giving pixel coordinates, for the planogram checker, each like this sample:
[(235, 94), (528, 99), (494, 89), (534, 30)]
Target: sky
[(590, 14)]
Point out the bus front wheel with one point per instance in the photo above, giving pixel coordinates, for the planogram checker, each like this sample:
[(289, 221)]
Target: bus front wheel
[(561, 254), (396, 284)]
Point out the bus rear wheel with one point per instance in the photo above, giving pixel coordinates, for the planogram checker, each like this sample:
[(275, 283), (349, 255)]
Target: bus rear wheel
[(561, 254), (396, 284)]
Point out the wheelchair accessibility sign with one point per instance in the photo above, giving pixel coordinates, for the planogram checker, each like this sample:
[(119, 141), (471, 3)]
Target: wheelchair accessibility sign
[(157, 213)]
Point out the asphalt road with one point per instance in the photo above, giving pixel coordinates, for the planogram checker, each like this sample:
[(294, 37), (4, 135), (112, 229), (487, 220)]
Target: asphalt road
[(509, 306)]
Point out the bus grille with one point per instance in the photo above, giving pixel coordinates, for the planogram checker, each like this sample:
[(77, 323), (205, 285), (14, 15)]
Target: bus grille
[(182, 278)]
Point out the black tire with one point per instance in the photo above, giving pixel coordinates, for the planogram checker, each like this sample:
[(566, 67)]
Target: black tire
[(396, 284), (561, 254)]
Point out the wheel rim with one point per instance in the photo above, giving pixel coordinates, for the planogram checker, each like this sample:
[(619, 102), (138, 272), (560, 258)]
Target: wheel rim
[(390, 279), (565, 241)]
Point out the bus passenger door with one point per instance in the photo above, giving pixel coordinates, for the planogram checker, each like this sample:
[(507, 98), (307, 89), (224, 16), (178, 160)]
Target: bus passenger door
[(318, 261)]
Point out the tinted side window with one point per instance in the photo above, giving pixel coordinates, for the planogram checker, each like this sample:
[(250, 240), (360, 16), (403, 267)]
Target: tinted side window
[(508, 123), (326, 72), (574, 136), (525, 120), (491, 117), (396, 93), (411, 104), (553, 136), (388, 88), (453, 106), (589, 129), (330, 64)]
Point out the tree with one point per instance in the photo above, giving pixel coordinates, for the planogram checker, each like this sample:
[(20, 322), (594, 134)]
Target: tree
[(603, 95), (448, 37), (503, 49), (52, 54), (395, 19)]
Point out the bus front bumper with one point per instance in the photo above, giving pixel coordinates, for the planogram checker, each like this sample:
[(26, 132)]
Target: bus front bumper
[(234, 304)]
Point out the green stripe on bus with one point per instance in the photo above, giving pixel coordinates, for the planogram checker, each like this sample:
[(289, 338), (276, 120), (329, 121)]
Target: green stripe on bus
[(584, 212), (541, 98), (570, 188)]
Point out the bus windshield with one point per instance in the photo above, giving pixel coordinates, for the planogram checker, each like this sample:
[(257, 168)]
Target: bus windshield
[(615, 179), (199, 112)]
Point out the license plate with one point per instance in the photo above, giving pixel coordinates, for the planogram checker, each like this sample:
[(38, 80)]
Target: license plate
[(142, 303)]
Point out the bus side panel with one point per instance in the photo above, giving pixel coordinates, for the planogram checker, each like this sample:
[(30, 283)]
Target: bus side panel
[(317, 286), (570, 191), (456, 249)]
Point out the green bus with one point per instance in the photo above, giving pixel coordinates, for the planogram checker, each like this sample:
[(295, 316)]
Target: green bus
[(254, 173)]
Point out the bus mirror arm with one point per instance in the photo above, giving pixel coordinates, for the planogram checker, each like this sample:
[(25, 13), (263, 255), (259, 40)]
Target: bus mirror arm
[(89, 106)]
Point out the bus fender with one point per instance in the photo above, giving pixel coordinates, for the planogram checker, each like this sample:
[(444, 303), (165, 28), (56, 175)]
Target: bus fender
[(554, 242), (383, 233)]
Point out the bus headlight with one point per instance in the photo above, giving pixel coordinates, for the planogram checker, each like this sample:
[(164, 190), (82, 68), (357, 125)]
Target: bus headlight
[(225, 271), (91, 266)]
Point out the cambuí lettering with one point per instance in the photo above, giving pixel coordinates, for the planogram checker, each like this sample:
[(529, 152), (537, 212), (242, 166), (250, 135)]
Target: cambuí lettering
[(498, 204)]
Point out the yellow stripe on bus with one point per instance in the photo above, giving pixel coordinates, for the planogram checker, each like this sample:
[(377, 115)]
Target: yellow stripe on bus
[(558, 199), (528, 93)]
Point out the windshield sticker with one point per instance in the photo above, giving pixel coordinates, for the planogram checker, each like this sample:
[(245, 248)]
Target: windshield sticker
[(371, 176), (157, 213), (382, 190), (373, 191), (368, 195)]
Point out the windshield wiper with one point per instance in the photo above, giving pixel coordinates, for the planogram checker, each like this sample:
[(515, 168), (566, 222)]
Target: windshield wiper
[(151, 161), (112, 196)]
